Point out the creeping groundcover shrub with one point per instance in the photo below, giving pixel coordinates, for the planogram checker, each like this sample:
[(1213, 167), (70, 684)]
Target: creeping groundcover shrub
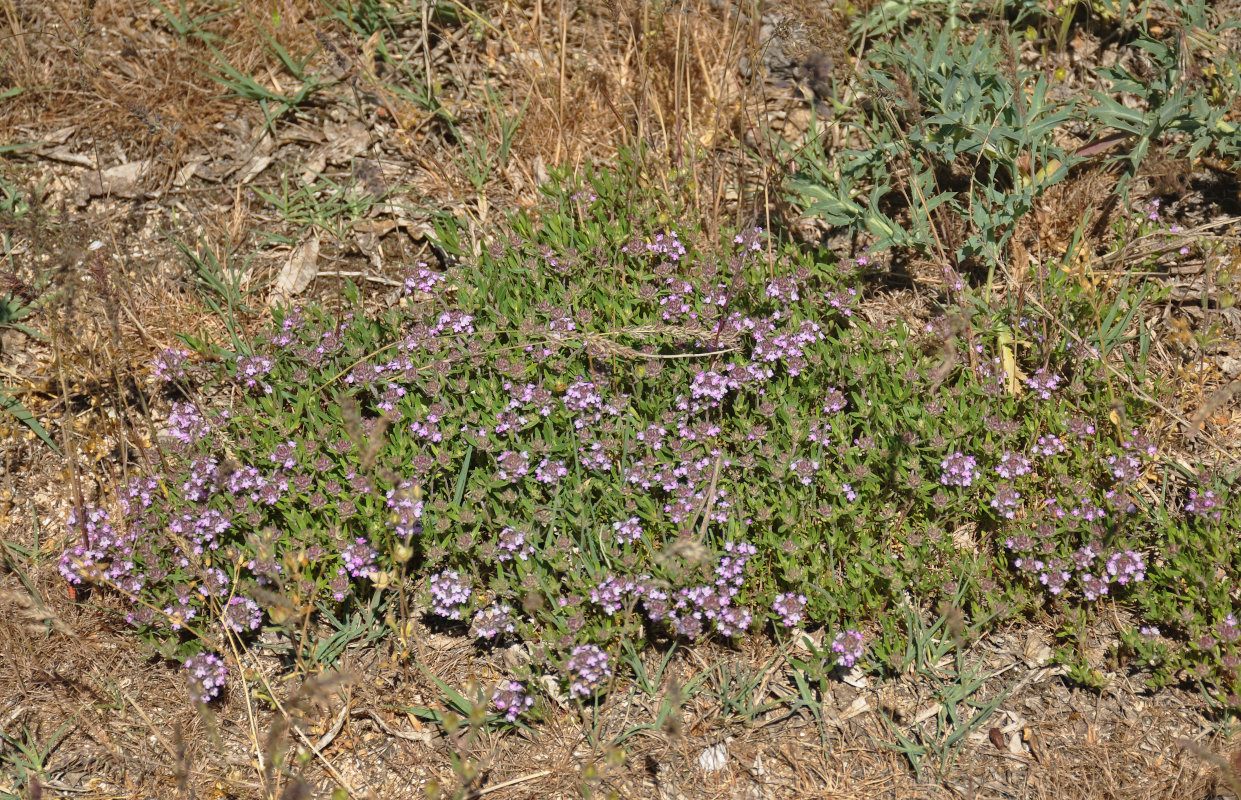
[(597, 434)]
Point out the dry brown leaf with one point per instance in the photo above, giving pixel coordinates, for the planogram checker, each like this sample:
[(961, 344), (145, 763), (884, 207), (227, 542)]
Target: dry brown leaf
[(298, 272)]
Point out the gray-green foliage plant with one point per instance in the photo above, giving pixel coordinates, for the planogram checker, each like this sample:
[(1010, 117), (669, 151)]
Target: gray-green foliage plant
[(949, 124), (957, 137)]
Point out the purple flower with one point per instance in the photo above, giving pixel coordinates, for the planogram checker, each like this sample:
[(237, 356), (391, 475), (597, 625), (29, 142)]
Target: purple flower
[(169, 365), (629, 530), (405, 509), (581, 397), (611, 593), (511, 700), (789, 607), (804, 469), (733, 620), (250, 368), (848, 646), (1055, 580), (587, 670), (285, 455), (513, 543), (493, 620), (1125, 468), (1125, 566), (784, 289), (359, 558), (1013, 465), (456, 321), (206, 676), (594, 457), (550, 472), (185, 424), (1048, 445), (1043, 383), (215, 583), (833, 401), (730, 572), (1203, 505), (1093, 587), (513, 465), (1006, 500), (1228, 630), (449, 594), (200, 479), (959, 470), (421, 279), (181, 611), (100, 552), (241, 614)]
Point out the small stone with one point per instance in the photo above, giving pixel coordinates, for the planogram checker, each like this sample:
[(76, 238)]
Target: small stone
[(714, 758)]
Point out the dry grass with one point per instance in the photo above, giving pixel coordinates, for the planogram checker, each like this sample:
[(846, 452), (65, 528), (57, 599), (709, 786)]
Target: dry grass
[(108, 82)]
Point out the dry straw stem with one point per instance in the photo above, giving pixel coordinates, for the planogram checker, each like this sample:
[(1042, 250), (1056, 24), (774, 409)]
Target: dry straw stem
[(1220, 447)]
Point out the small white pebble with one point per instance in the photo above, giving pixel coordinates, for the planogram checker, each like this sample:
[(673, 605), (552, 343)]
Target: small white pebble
[(714, 758)]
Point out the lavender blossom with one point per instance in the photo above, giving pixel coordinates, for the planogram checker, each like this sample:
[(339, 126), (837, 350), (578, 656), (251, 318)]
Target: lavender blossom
[(449, 594), (492, 621), (849, 646), (629, 530), (1126, 566), (169, 365), (206, 676), (241, 614), (1203, 505), (1012, 465), (959, 470), (513, 543), (511, 700), (359, 559), (587, 670), (1043, 383), (790, 608)]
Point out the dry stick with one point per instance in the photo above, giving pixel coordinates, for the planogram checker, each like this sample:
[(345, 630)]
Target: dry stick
[(155, 731), (70, 453), (254, 727), (515, 781), (335, 773), (710, 505), (1132, 387), (1125, 251)]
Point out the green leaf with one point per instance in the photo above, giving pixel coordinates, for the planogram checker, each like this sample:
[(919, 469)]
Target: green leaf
[(12, 405)]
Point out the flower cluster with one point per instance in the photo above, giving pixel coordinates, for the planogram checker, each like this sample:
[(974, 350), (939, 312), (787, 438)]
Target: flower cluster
[(449, 594), (513, 543), (510, 699), (587, 670), (1035, 554), (359, 559), (492, 621), (422, 279), (849, 646), (789, 608), (959, 470), (1043, 383), (206, 675), (169, 365), (1204, 505), (251, 368), (629, 530)]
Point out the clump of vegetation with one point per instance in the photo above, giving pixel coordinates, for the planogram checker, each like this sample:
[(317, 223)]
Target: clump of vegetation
[(598, 436)]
